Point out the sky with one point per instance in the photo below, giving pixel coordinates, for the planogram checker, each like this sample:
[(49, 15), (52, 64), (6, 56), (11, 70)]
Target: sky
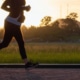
[(40, 8)]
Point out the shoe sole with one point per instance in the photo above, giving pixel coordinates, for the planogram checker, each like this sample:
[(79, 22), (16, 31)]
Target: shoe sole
[(31, 67)]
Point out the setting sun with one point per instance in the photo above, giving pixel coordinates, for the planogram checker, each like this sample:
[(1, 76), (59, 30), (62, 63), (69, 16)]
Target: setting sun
[(40, 8)]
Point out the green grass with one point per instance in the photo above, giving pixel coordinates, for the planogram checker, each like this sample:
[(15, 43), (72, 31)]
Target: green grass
[(43, 53)]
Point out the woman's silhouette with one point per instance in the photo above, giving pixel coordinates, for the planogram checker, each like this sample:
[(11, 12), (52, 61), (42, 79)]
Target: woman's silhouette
[(12, 26)]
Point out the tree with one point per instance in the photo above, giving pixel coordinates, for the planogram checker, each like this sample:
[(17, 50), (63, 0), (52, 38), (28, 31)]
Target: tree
[(45, 21), (73, 16)]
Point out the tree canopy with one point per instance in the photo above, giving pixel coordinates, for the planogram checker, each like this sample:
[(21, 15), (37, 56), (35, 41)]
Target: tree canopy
[(59, 30)]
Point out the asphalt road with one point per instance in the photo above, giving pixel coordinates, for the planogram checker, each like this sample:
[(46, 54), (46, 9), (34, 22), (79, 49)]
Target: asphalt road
[(39, 74)]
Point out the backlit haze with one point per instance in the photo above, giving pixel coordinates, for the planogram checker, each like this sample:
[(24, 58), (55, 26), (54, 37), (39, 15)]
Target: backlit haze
[(40, 8)]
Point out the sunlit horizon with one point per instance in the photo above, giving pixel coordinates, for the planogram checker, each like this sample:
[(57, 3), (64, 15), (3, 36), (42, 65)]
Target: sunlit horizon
[(40, 8)]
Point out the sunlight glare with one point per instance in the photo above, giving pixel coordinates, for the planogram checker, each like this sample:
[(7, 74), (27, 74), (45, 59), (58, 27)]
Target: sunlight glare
[(40, 8), (36, 13), (3, 15)]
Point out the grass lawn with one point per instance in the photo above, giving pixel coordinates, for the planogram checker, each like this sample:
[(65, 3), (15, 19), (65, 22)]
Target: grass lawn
[(43, 53)]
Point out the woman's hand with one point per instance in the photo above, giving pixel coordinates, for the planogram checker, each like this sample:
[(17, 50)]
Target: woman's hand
[(27, 8)]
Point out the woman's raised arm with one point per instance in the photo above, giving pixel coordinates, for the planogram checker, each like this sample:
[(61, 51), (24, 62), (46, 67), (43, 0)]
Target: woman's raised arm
[(5, 6)]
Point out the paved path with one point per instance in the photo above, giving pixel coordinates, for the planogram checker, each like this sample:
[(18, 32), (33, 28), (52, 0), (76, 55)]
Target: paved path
[(39, 74)]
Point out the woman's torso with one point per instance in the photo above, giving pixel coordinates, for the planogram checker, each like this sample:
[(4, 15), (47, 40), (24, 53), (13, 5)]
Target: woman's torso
[(15, 7)]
